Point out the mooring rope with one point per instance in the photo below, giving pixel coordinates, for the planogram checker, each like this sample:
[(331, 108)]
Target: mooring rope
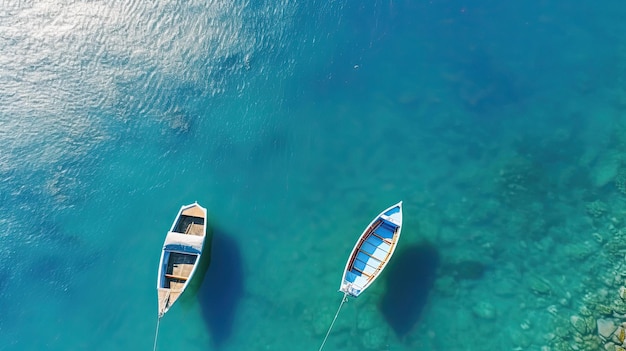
[(156, 334), (345, 298)]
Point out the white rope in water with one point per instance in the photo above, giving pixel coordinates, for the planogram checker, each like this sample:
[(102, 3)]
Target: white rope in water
[(156, 334), (345, 298)]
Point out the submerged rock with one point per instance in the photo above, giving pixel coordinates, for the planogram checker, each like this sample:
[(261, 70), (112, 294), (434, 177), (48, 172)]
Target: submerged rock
[(606, 328), (539, 286), (596, 209), (620, 181), (619, 306), (603, 310), (484, 310), (579, 324), (604, 171), (180, 123), (619, 335)]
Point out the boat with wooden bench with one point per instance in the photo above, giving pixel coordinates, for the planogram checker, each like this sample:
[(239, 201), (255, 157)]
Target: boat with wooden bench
[(372, 251), (370, 255), (180, 256)]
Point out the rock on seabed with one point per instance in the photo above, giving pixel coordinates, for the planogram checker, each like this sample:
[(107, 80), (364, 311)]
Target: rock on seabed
[(579, 324), (484, 310), (606, 328)]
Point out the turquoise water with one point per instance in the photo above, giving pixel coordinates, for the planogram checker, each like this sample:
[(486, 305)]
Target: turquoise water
[(500, 126)]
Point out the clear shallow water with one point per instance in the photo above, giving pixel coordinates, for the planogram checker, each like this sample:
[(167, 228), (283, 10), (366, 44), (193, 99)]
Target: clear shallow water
[(295, 124)]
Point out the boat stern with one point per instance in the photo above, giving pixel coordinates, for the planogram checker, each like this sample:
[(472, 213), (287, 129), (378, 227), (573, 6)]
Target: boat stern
[(164, 301), (349, 289)]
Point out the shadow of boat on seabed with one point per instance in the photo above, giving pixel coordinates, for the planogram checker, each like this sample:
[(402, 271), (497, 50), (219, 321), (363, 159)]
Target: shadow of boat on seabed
[(409, 279), (222, 288)]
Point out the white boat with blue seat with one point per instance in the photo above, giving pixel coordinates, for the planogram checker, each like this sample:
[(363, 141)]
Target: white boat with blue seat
[(372, 251), (369, 256)]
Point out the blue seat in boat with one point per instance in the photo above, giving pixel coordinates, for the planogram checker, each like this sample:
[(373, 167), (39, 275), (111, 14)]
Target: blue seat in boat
[(365, 258), (368, 247), (374, 240), (385, 231), (390, 225), (358, 264), (392, 211), (351, 276)]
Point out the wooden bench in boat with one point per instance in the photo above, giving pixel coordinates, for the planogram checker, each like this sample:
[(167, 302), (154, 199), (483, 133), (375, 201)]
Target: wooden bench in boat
[(376, 258), (386, 240), (372, 231), (363, 273), (195, 229), (172, 276)]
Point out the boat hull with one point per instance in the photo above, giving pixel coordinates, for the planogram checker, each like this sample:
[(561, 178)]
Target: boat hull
[(181, 255), (372, 251)]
